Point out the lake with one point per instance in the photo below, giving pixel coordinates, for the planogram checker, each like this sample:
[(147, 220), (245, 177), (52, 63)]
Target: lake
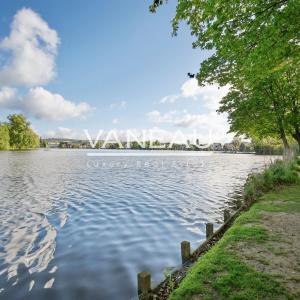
[(80, 227)]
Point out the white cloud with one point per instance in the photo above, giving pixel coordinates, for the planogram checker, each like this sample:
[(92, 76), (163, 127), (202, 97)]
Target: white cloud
[(187, 120), (190, 88), (209, 121), (29, 53), (210, 95), (156, 116), (205, 124), (42, 104), (169, 99), (115, 121), (31, 48), (207, 97)]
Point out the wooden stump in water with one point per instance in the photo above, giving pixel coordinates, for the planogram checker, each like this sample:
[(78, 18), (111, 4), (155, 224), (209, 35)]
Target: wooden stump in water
[(185, 251), (209, 230), (144, 284), (226, 215)]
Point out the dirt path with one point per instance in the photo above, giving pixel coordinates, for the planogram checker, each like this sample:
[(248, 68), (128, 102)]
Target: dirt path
[(279, 256)]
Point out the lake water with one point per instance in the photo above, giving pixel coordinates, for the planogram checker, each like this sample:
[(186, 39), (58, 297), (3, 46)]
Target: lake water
[(79, 227)]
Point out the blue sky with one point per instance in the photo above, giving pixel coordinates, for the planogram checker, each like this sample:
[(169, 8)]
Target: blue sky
[(114, 57)]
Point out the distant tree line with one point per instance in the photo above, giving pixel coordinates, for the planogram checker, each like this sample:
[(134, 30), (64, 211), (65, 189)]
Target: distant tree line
[(266, 146), (148, 145), (16, 134)]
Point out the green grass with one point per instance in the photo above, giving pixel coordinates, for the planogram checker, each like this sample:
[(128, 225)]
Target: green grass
[(220, 274), (279, 173)]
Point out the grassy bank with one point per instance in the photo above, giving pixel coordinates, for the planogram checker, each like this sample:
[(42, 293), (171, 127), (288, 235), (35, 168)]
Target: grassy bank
[(258, 257)]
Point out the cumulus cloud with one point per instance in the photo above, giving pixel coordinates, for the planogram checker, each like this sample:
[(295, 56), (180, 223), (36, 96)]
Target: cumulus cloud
[(169, 99), (42, 104), (207, 125), (31, 49), (157, 117), (190, 88), (210, 95), (190, 120), (187, 120), (29, 53), (208, 120)]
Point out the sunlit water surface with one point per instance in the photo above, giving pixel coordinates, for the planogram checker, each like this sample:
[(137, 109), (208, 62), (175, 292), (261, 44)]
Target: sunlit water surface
[(76, 227)]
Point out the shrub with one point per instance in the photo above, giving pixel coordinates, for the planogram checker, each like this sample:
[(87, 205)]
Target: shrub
[(277, 173)]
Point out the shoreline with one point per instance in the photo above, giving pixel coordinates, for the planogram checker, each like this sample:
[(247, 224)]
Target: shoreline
[(260, 246), (162, 291), (212, 262)]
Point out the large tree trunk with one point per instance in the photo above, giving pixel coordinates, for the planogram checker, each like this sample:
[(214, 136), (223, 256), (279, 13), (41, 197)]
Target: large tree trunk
[(296, 124), (287, 149), (280, 116), (287, 152)]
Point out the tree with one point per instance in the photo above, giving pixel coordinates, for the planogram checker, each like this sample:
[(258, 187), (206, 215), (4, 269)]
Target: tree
[(256, 52), (43, 143), (21, 136), (135, 145), (271, 109), (267, 146), (236, 142), (4, 137), (249, 37), (242, 147), (32, 139)]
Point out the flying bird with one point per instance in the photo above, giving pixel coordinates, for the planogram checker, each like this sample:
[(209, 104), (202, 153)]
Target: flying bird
[(191, 75)]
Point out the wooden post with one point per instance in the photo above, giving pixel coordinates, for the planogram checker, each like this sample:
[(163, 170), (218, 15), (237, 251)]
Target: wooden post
[(209, 230), (144, 283), (185, 251), (226, 215), (238, 203)]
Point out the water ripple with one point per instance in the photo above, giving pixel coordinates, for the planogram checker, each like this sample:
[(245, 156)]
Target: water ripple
[(72, 232)]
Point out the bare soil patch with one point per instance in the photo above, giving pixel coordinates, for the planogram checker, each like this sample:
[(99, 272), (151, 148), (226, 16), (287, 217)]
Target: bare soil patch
[(279, 256)]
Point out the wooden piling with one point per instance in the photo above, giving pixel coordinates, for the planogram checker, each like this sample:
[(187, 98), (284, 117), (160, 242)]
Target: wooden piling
[(226, 215), (185, 251), (209, 230), (144, 283)]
